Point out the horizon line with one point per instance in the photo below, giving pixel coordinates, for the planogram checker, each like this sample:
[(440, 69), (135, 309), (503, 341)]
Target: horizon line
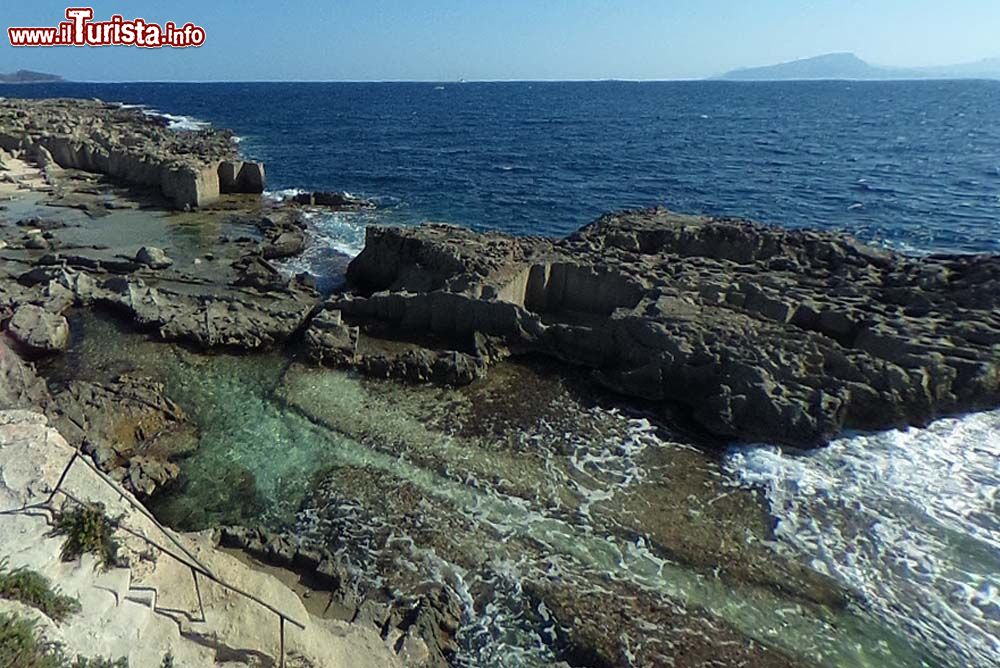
[(713, 79)]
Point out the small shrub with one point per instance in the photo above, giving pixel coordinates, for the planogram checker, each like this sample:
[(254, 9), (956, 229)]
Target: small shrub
[(20, 646), (88, 529), (168, 661), (34, 589)]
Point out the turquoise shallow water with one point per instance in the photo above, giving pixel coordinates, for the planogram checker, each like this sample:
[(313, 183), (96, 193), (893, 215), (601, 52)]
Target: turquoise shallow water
[(404, 484)]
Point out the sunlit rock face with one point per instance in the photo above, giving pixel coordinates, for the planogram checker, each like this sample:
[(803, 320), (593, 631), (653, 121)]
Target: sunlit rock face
[(190, 169)]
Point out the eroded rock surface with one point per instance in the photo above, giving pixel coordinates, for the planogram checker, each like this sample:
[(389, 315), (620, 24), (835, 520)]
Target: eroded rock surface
[(422, 627), (38, 330), (128, 426), (20, 386), (189, 168), (762, 333)]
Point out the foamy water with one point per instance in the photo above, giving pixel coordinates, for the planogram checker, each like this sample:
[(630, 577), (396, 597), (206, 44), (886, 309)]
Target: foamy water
[(174, 121), (908, 520)]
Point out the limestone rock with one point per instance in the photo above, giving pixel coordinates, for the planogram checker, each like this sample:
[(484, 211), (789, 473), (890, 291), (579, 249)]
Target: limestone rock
[(129, 428), (38, 330), (153, 257), (329, 340), (284, 234), (236, 176), (762, 333), (20, 386), (189, 168), (233, 319)]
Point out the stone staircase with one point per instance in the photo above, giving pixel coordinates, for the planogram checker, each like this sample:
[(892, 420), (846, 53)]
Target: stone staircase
[(176, 594)]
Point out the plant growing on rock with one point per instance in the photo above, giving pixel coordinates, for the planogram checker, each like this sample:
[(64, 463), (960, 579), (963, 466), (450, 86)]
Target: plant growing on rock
[(22, 646), (88, 529), (34, 589)]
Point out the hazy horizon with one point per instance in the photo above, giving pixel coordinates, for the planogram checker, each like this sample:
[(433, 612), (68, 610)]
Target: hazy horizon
[(449, 40)]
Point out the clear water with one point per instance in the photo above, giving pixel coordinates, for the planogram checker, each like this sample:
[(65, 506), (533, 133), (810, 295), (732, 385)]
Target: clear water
[(906, 521), (415, 487)]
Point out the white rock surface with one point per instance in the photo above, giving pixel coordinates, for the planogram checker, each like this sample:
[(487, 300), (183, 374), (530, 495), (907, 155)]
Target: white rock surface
[(150, 608)]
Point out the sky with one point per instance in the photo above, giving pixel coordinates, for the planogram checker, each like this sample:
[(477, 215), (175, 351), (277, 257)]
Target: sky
[(446, 40)]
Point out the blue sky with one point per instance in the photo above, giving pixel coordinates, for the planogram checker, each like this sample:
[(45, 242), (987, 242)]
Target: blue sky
[(514, 39)]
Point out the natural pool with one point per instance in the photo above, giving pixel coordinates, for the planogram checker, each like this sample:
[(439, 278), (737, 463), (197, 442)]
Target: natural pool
[(528, 496)]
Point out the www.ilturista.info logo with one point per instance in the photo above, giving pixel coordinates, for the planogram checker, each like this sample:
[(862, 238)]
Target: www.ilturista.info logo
[(80, 30)]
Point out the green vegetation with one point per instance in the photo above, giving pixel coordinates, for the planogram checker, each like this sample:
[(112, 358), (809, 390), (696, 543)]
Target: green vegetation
[(82, 662), (22, 647), (88, 529), (34, 589)]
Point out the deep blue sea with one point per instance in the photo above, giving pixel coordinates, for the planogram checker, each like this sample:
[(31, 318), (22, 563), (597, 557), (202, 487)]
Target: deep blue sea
[(912, 164)]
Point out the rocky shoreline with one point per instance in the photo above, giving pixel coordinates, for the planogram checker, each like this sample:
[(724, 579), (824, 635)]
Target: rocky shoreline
[(761, 334), (735, 330), (125, 143)]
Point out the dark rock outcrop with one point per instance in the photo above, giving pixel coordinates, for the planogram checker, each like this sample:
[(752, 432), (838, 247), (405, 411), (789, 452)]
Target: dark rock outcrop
[(333, 200), (208, 321), (762, 333), (284, 234)]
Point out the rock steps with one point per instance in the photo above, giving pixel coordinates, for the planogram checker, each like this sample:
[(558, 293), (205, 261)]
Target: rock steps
[(150, 607)]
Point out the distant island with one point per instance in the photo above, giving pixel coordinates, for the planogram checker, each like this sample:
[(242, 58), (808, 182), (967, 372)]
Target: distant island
[(849, 66), (27, 76)]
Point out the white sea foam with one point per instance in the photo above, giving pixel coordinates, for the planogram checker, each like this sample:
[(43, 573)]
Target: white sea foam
[(174, 121), (282, 195), (326, 231), (330, 235), (909, 520)]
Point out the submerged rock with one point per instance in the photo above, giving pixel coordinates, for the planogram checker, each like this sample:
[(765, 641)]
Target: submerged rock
[(762, 333)]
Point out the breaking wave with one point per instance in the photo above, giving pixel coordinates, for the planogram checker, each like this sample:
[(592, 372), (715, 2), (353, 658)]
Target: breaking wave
[(908, 520)]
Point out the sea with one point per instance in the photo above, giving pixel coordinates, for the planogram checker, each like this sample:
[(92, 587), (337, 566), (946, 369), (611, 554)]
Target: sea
[(909, 520)]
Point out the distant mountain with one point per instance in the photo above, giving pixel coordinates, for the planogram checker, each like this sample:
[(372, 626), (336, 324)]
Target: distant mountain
[(987, 68), (27, 76), (849, 66)]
